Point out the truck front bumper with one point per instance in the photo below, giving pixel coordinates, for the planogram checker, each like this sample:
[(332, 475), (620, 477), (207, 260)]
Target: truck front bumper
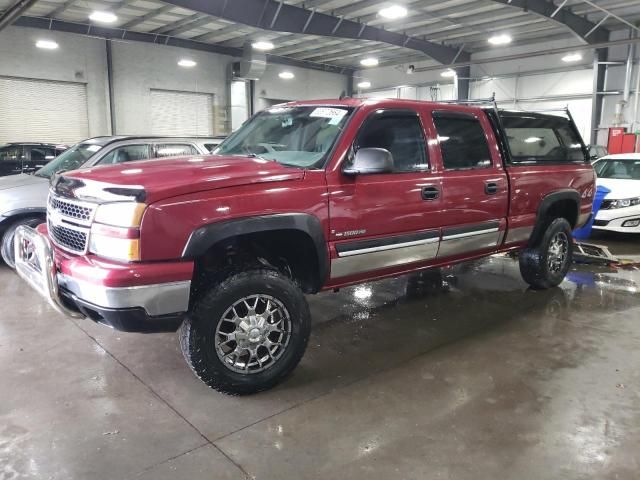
[(105, 292)]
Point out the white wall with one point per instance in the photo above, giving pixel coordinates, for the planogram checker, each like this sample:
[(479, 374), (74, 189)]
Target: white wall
[(140, 67), (306, 85), (513, 82), (78, 59)]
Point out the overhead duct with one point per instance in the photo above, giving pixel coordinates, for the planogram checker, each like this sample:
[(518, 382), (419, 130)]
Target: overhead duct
[(252, 65)]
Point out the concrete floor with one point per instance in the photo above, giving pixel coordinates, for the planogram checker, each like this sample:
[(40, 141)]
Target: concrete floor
[(471, 377)]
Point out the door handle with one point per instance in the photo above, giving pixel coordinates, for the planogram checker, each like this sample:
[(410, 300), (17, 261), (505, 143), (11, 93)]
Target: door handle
[(430, 193), (490, 188)]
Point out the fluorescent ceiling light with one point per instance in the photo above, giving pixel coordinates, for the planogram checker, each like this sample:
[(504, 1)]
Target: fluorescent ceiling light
[(448, 73), (572, 57), (502, 39), (393, 12), (262, 45), (364, 84), (47, 44), (369, 62), (186, 62), (103, 17), (532, 139), (286, 75)]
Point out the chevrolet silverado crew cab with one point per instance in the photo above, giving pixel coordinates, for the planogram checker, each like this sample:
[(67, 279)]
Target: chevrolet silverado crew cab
[(306, 196)]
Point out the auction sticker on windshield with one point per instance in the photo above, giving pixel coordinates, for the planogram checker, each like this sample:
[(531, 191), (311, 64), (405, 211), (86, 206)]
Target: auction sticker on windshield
[(334, 114)]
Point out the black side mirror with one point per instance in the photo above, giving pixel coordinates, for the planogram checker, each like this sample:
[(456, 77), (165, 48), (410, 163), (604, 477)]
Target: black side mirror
[(370, 160)]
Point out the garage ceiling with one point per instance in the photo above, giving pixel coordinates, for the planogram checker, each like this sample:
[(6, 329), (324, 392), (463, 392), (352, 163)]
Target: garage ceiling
[(453, 27)]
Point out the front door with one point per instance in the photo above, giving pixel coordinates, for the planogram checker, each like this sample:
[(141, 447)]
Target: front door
[(385, 222)]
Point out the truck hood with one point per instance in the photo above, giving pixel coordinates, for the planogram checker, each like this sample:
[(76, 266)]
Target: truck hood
[(620, 187), (22, 180), (170, 177)]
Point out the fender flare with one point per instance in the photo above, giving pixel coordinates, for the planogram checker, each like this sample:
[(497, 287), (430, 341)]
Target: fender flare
[(545, 205), (204, 237)]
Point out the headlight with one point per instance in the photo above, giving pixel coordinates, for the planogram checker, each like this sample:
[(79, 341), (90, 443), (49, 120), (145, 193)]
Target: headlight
[(625, 202), (115, 232), (121, 214)]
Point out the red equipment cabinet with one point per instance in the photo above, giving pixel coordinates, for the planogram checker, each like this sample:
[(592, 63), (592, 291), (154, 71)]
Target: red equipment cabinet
[(616, 135)]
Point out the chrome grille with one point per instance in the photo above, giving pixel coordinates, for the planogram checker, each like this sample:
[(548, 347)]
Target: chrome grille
[(68, 238), (71, 210), (69, 222)]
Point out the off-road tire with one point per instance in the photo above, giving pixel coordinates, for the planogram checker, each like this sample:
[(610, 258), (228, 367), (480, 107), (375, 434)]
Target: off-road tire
[(198, 331), (6, 248), (534, 260)]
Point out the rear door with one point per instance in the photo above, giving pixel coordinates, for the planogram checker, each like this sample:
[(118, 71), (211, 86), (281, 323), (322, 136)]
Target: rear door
[(475, 191), (389, 221)]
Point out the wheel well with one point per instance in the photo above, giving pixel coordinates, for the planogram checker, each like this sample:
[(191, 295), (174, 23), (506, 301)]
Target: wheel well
[(563, 209), (560, 208), (289, 251), (20, 216)]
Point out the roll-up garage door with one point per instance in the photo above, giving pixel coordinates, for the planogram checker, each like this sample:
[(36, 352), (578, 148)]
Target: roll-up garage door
[(181, 113), (42, 111)]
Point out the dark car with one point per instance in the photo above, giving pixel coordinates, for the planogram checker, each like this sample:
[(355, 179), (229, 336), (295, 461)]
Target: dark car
[(18, 158), (596, 152)]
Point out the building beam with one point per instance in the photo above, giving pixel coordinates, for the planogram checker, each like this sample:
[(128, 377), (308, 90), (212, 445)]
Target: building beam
[(11, 14), (128, 35), (148, 16), (282, 17), (580, 26)]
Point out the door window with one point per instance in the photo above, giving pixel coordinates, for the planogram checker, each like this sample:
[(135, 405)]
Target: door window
[(128, 153), (11, 154), (174, 150), (42, 154), (462, 140), (401, 134)]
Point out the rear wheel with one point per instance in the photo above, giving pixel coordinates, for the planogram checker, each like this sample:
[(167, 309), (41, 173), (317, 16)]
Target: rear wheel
[(246, 333), (6, 248), (545, 264)]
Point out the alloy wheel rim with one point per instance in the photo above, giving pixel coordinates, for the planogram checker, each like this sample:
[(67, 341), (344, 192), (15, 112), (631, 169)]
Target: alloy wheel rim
[(253, 334), (558, 252)]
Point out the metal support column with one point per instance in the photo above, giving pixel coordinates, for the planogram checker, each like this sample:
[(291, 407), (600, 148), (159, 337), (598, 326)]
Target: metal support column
[(112, 106), (597, 99), (464, 74), (349, 91)]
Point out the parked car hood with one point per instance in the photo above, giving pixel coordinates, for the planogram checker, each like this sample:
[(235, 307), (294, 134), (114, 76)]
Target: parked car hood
[(620, 187), (170, 177), (21, 180)]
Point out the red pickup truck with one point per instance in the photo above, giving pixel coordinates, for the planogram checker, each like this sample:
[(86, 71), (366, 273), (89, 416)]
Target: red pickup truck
[(306, 196)]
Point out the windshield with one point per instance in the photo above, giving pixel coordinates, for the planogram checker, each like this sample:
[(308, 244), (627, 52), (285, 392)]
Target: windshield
[(293, 136), (621, 169), (71, 159)]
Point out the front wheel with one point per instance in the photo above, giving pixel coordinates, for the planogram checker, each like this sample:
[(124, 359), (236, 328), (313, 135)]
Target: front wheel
[(6, 248), (545, 264), (246, 333)]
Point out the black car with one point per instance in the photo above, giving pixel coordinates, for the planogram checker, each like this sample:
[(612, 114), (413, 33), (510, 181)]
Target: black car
[(27, 157)]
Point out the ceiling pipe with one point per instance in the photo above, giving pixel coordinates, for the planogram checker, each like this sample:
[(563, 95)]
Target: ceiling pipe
[(13, 12)]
